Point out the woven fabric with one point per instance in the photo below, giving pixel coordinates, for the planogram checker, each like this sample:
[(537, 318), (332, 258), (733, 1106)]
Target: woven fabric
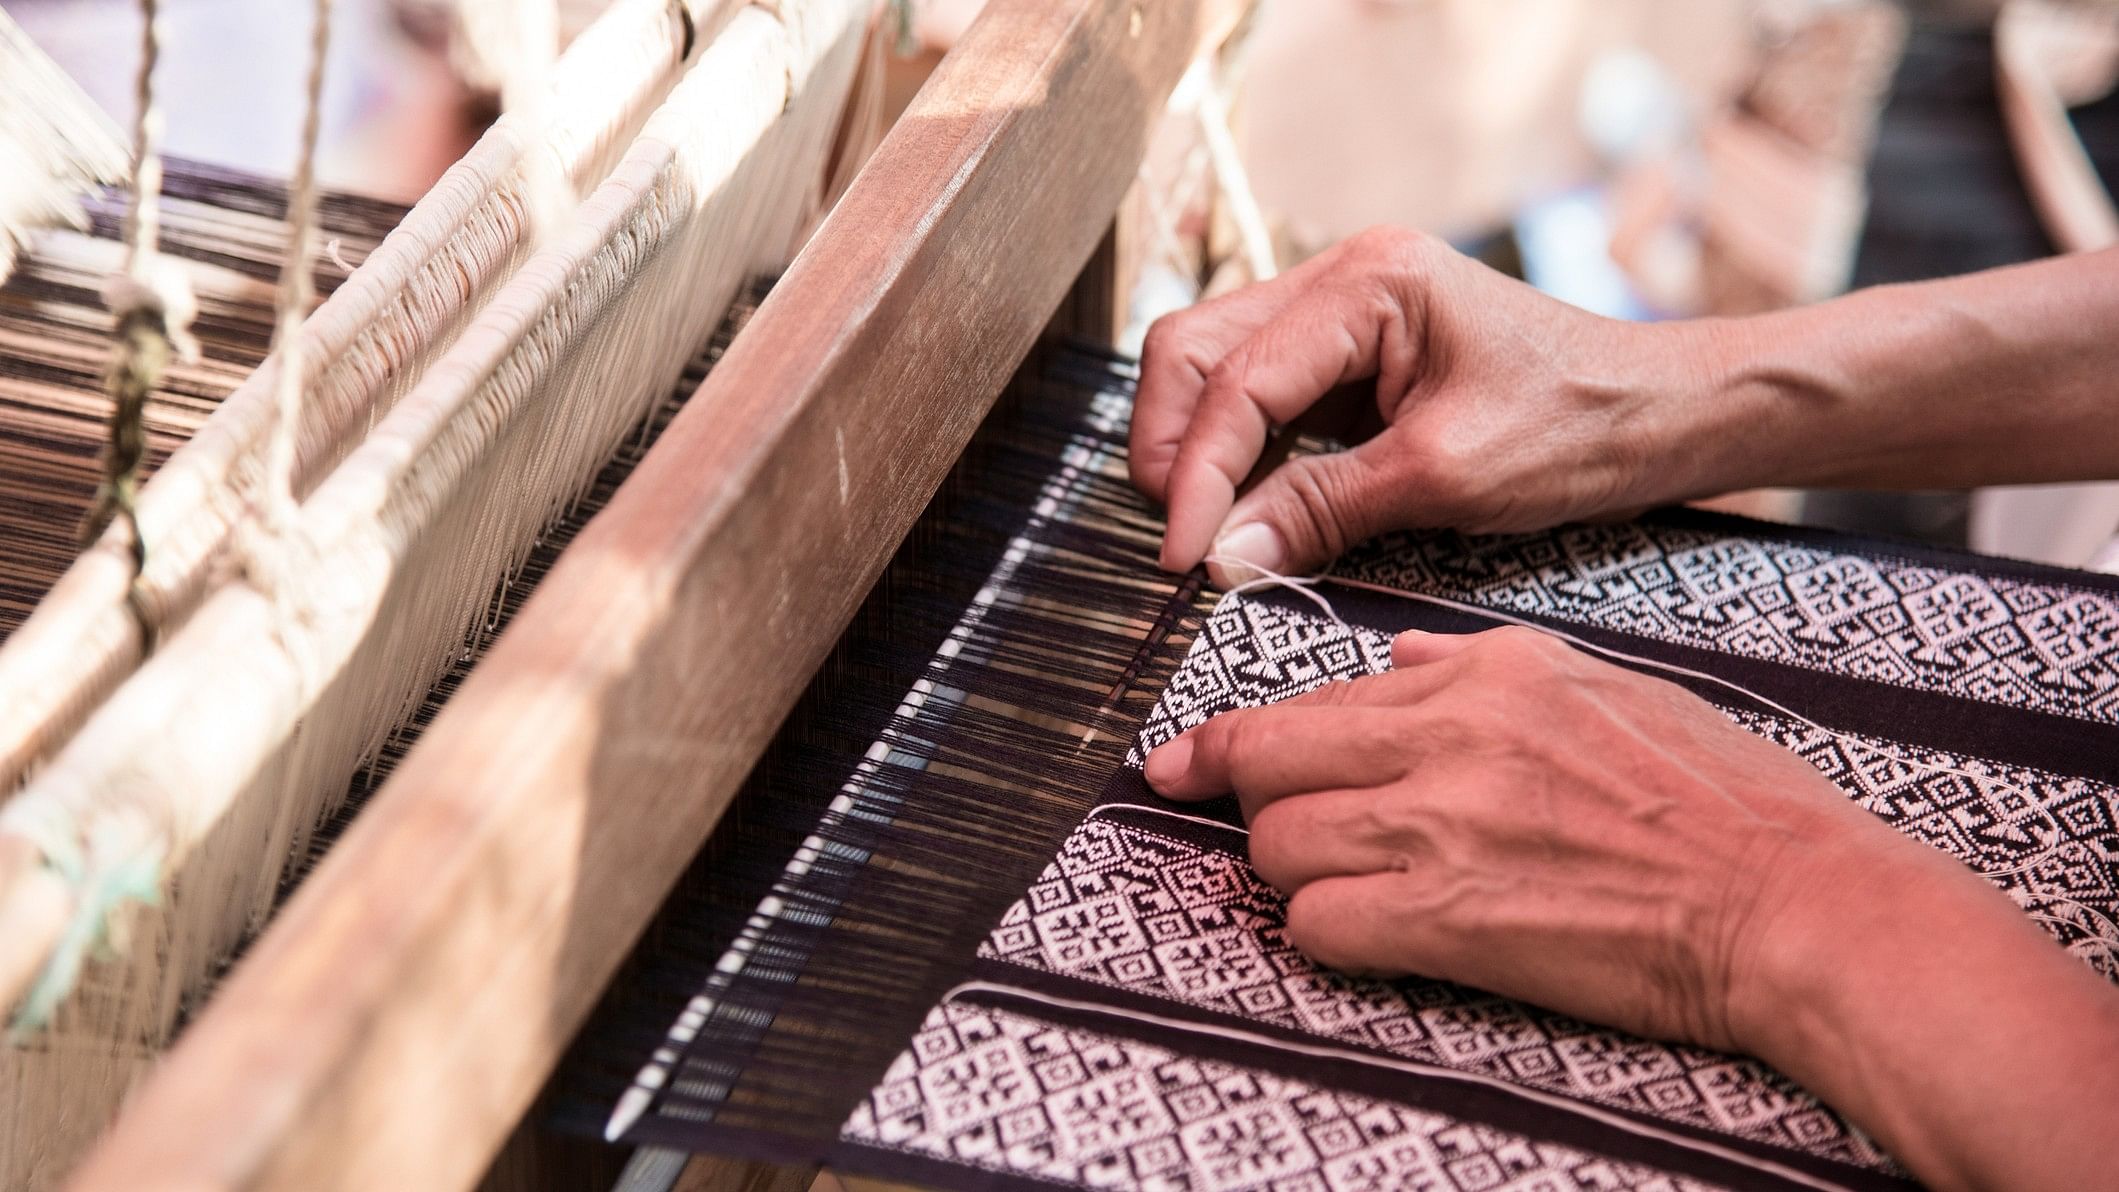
[(947, 934), (1137, 1018)]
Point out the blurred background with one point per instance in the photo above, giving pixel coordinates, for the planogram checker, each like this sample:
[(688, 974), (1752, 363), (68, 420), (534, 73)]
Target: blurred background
[(1645, 159)]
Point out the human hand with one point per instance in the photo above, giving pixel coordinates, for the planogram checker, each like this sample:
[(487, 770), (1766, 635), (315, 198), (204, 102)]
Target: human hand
[(1504, 811), (1503, 409)]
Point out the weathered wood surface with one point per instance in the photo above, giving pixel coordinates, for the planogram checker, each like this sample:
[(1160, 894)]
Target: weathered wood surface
[(404, 1009)]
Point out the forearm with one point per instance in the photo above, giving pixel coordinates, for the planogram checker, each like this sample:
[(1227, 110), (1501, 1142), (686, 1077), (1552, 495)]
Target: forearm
[(1934, 1014), (2004, 377)]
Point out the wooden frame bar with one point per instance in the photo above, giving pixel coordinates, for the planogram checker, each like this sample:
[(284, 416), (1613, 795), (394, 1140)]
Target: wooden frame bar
[(402, 1012)]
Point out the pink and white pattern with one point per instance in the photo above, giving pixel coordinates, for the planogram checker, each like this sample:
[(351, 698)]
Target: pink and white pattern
[(1126, 907), (1007, 1092), (2046, 647)]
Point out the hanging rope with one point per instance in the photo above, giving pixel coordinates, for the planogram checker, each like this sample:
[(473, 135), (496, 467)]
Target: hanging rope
[(153, 305), (113, 863), (297, 290)]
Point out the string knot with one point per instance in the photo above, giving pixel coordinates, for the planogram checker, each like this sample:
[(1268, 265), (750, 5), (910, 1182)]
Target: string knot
[(156, 292), (100, 874)]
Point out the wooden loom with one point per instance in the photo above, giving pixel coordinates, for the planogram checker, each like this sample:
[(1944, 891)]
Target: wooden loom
[(395, 1021)]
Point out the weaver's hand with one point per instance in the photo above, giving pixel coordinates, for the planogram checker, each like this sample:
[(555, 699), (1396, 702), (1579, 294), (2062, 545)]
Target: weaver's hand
[(1506, 812), (1503, 409)]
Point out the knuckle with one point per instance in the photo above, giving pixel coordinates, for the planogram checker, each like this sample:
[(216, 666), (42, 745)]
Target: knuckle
[(1451, 724), (1518, 644), (1447, 478), (1398, 252), (1324, 504), (1391, 822), (1391, 242), (1166, 335), (1377, 739)]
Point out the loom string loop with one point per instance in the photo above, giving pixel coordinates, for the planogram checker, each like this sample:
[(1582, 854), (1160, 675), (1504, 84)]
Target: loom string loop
[(134, 876), (904, 39), (153, 305)]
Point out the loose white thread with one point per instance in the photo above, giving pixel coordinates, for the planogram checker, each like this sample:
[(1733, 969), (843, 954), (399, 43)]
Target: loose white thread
[(1107, 808), (335, 249), (1301, 585)]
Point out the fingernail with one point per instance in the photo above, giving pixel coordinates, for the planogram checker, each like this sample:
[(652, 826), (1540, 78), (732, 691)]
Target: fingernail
[(1253, 543), (1167, 764)]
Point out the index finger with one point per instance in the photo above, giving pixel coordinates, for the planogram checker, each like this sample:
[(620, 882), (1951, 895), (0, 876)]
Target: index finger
[(1182, 350), (1329, 335)]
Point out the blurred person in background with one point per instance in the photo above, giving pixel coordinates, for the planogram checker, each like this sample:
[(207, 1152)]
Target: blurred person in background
[(1998, 145)]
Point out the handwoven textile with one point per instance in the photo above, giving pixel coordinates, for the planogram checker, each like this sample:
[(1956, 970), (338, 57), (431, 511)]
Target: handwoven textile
[(998, 960), (1137, 1018)]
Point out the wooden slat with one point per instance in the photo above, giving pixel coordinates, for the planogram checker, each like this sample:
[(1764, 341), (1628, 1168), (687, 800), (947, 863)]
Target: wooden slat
[(404, 1009)]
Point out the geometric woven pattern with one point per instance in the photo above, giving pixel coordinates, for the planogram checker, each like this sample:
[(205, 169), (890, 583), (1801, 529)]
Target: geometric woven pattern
[(1167, 908), (1128, 907), (1250, 653), (2043, 646), (2050, 841), (1010, 1093)]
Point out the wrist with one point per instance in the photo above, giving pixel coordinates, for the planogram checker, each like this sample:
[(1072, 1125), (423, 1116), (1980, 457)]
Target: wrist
[(1840, 927), (1900, 989), (1723, 408)]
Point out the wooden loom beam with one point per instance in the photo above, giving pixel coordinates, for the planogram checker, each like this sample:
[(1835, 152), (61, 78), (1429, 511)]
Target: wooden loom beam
[(404, 1009)]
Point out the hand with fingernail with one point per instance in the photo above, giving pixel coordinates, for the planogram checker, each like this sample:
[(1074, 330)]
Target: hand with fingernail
[(1506, 812), (1500, 408), (1475, 403)]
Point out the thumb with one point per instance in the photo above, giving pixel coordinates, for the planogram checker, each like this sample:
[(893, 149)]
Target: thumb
[(1306, 513)]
